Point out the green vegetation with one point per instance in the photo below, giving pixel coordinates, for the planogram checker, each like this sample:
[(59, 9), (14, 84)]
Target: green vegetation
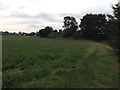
[(33, 62)]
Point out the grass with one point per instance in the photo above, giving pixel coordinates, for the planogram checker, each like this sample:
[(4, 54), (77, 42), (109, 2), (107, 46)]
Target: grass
[(32, 62)]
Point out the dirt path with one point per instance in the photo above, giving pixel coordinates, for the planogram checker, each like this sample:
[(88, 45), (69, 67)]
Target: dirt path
[(105, 45)]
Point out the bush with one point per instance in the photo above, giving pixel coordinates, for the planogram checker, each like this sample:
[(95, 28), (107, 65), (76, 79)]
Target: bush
[(78, 34), (69, 32), (45, 32), (53, 35)]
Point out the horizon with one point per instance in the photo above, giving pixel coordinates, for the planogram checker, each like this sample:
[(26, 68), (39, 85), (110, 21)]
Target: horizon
[(33, 15)]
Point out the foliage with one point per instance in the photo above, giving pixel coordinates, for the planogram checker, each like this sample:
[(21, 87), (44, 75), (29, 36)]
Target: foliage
[(113, 27), (53, 35), (70, 26), (7, 33), (116, 12), (60, 31), (69, 21), (45, 32), (78, 34), (69, 32), (93, 26), (32, 34)]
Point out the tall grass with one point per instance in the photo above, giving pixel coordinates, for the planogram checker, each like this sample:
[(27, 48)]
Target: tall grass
[(33, 62)]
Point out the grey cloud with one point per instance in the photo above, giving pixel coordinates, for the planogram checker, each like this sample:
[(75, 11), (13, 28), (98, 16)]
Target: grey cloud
[(21, 7), (32, 24), (19, 15), (76, 15), (95, 9), (35, 26), (29, 22), (41, 16), (3, 7), (48, 17), (36, 21), (25, 15)]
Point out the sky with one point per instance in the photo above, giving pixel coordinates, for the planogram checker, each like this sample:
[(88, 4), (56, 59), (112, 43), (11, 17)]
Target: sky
[(33, 15)]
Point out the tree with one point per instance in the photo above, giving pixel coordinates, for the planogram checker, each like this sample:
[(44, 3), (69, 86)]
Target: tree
[(69, 21), (69, 32), (93, 26), (24, 34), (55, 31), (78, 34), (53, 34), (70, 26), (60, 31), (19, 33), (45, 32), (5, 33), (37, 33), (32, 34), (113, 27), (116, 12)]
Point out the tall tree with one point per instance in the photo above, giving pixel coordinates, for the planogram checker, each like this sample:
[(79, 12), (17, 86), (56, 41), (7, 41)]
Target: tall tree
[(93, 26), (116, 12), (70, 26), (69, 21), (113, 27)]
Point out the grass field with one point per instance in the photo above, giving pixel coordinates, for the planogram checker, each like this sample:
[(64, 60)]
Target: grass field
[(33, 62)]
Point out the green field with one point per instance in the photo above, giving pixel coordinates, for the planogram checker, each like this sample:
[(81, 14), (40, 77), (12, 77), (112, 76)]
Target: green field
[(33, 62)]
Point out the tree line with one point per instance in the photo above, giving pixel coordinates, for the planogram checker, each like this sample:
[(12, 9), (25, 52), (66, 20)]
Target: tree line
[(92, 26)]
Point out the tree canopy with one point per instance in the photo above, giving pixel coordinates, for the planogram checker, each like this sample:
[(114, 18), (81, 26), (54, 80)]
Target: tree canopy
[(69, 21), (45, 32), (93, 26), (70, 26), (113, 27)]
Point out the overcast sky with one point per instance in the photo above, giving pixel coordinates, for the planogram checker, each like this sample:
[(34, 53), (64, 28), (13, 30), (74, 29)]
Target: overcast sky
[(32, 15)]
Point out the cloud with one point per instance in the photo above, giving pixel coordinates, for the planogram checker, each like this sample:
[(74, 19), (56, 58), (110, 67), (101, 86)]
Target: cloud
[(19, 15), (21, 7), (39, 17), (3, 7), (48, 17), (34, 14), (31, 23), (76, 15), (45, 16)]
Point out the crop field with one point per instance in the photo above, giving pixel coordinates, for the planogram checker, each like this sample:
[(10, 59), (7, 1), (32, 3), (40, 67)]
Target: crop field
[(34, 62)]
